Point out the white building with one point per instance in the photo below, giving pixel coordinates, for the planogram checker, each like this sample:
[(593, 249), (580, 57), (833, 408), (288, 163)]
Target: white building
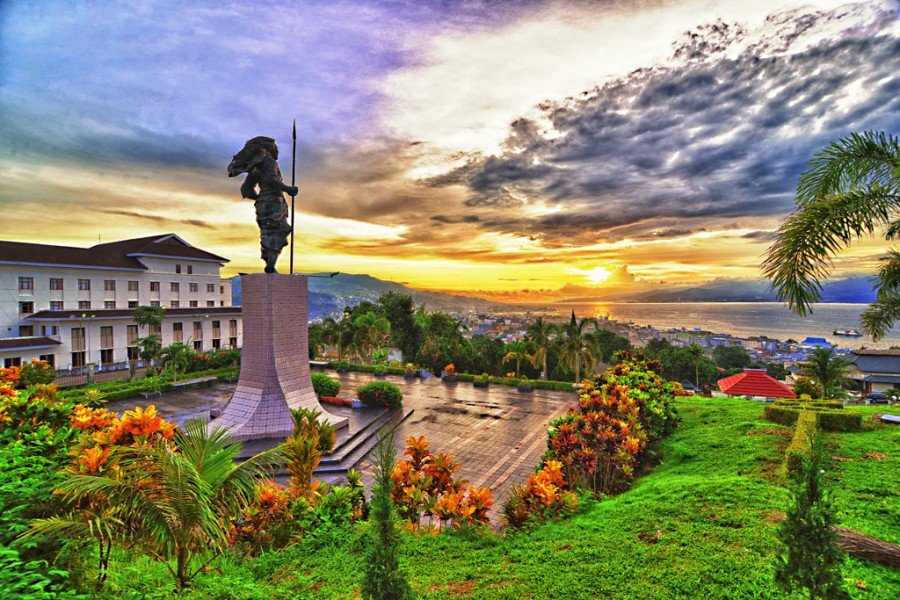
[(73, 306)]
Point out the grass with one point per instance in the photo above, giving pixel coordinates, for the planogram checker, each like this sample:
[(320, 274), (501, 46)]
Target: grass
[(700, 525)]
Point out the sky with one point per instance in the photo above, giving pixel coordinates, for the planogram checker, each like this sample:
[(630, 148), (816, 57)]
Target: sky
[(468, 146)]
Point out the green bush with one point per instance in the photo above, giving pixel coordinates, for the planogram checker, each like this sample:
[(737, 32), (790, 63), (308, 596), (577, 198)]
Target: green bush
[(828, 420), (325, 385), (780, 414), (380, 393), (804, 435)]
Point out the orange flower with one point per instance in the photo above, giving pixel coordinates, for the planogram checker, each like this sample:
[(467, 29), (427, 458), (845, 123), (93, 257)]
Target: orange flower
[(141, 421), (92, 459)]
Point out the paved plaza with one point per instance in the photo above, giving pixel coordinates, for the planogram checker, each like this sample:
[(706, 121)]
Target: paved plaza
[(496, 434)]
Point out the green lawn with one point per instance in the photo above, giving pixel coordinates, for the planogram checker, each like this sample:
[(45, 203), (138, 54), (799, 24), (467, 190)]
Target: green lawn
[(715, 501)]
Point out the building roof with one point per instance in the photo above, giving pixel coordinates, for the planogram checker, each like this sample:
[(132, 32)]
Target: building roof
[(128, 313), (882, 379), (876, 361), (755, 382), (124, 254), (27, 343)]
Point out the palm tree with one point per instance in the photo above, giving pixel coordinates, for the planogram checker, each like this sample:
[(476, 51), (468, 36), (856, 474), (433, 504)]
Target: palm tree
[(577, 349), (517, 351), (540, 333), (828, 370), (331, 333), (176, 357), (176, 499), (851, 189), (371, 331)]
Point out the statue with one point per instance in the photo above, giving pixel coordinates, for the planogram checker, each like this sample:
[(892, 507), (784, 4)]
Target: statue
[(259, 160)]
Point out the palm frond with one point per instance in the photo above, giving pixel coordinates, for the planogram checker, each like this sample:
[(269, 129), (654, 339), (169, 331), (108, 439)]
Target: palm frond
[(881, 315), (888, 280), (860, 159)]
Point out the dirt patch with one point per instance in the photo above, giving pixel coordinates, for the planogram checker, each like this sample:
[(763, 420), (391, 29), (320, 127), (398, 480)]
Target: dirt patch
[(563, 547), (775, 517), (874, 456), (770, 431), (457, 588)]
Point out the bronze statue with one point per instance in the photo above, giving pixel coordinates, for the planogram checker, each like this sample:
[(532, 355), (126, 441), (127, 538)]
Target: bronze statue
[(259, 160)]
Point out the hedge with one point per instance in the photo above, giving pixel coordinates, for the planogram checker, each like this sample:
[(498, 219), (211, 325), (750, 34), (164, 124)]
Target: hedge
[(123, 389), (380, 394), (325, 385), (828, 420), (805, 433), (821, 404)]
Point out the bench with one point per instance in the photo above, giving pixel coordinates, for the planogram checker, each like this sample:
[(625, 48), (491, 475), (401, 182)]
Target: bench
[(207, 381), (318, 365)]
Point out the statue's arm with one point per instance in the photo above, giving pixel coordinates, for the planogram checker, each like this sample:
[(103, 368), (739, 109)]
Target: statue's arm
[(248, 188), (270, 178)]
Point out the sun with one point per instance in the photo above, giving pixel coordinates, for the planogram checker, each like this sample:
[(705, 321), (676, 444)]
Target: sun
[(597, 275)]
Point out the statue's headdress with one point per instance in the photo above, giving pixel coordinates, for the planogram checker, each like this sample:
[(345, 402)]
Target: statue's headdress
[(252, 152)]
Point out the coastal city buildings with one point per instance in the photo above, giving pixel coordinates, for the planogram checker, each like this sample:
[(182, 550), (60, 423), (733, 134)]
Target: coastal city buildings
[(876, 370), (73, 307)]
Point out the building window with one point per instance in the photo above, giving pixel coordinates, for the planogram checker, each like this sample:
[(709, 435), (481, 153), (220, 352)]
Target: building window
[(193, 288), (190, 269), (154, 303), (232, 328), (216, 344), (84, 285), (133, 286), (221, 289), (174, 304), (12, 362), (109, 285), (56, 305), (154, 286), (177, 332), (193, 304), (132, 304), (56, 283), (217, 329), (132, 335), (106, 336), (50, 359), (26, 330), (232, 342), (109, 304), (198, 345), (49, 330), (26, 284), (174, 286), (210, 303), (178, 268), (132, 353), (78, 359), (84, 304), (198, 330), (26, 308), (210, 288), (106, 356), (78, 339), (221, 303)]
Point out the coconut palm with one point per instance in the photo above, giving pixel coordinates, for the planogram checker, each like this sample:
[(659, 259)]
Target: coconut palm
[(176, 357), (828, 370), (851, 189), (577, 348), (176, 499), (540, 333), (370, 332), (517, 351)]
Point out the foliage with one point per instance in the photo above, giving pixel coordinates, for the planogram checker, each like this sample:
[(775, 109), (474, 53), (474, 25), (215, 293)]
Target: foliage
[(370, 332), (689, 362), (731, 357), (540, 335), (806, 386), (380, 394), (850, 190), (425, 485), (177, 358), (383, 579), (827, 419), (811, 558), (805, 432), (36, 372), (303, 449), (578, 350), (324, 385), (828, 371), (543, 497)]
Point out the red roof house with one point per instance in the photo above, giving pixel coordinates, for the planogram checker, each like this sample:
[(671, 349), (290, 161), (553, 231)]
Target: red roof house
[(755, 382)]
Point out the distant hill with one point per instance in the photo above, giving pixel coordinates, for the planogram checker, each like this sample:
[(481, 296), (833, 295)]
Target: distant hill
[(330, 295)]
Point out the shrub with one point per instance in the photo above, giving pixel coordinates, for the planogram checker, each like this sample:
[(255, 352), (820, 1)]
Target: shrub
[(797, 451), (37, 372), (654, 396), (844, 420), (325, 385), (380, 394), (304, 448), (380, 370), (543, 497), (780, 414)]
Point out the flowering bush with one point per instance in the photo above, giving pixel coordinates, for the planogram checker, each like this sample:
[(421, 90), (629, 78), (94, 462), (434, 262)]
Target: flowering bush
[(36, 372), (450, 369), (543, 497), (425, 485)]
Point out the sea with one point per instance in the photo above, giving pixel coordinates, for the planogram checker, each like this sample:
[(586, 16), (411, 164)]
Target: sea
[(742, 319)]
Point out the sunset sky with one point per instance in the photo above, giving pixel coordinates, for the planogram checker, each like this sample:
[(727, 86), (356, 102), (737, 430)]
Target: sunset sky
[(451, 145)]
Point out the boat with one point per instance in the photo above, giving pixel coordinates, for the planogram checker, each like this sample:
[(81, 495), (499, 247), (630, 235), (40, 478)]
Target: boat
[(847, 332)]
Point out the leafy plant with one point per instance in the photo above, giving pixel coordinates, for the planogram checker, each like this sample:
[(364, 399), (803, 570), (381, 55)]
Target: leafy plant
[(380, 394), (324, 385), (304, 448), (543, 497)]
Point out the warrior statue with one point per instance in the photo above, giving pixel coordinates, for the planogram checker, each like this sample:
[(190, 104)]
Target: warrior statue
[(259, 160)]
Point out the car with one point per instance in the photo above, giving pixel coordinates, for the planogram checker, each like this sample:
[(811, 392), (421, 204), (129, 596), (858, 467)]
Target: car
[(877, 398)]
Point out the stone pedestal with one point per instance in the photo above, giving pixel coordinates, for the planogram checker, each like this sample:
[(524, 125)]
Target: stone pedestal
[(274, 360)]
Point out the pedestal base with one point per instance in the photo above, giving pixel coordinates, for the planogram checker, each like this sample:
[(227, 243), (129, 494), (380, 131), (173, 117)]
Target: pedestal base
[(274, 360)]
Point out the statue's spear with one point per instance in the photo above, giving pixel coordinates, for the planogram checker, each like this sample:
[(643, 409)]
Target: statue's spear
[(293, 196)]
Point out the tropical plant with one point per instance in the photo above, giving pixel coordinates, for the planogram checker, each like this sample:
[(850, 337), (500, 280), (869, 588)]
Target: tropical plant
[(828, 370), (324, 385), (371, 331), (149, 316), (541, 334), (36, 372), (517, 351), (851, 189), (383, 579), (810, 557), (380, 394), (176, 358), (804, 386), (654, 396), (303, 449), (543, 497), (577, 349)]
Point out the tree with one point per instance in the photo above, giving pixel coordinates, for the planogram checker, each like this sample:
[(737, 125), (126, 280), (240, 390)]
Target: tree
[(399, 310), (370, 332), (540, 333), (827, 370), (851, 189), (176, 357), (806, 386), (383, 579), (811, 558), (578, 350), (690, 363), (609, 343), (518, 351), (731, 357), (150, 346)]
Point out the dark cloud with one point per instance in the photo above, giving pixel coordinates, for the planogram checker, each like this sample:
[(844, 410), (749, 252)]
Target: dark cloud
[(761, 236), (713, 137), (156, 218)]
